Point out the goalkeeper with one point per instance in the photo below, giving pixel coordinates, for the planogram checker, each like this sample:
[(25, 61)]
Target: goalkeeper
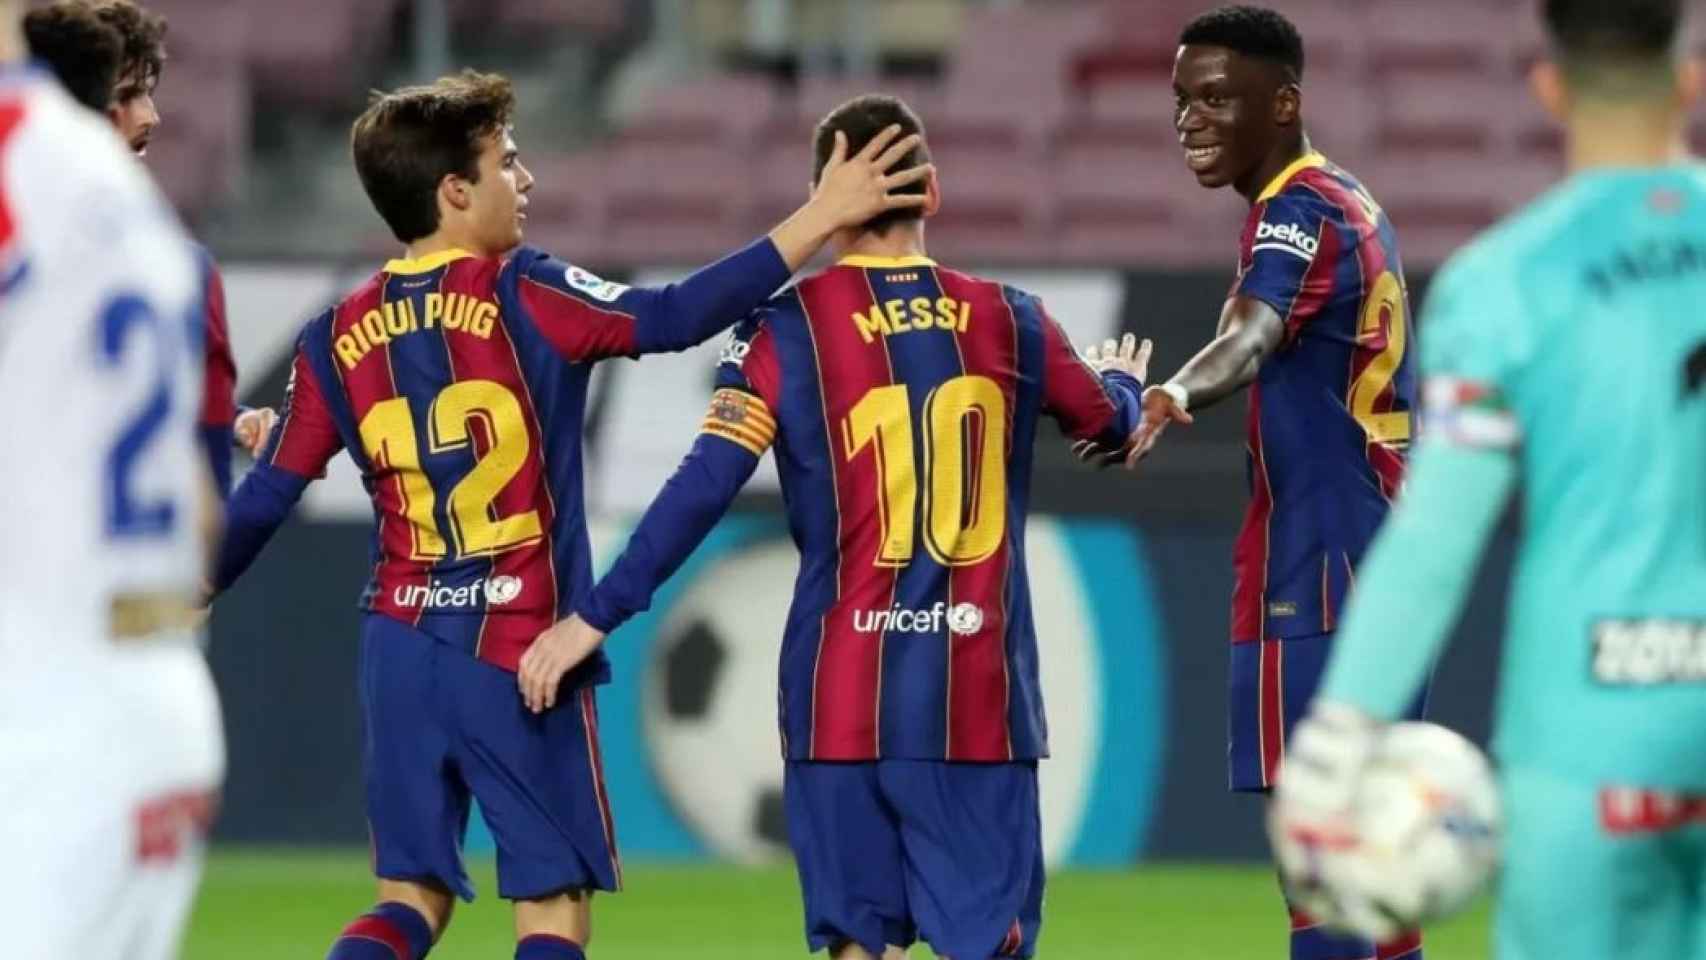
[(1567, 349)]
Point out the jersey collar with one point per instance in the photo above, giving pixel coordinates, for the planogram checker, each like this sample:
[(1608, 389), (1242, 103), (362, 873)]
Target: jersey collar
[(881, 263), (1311, 159), (431, 261)]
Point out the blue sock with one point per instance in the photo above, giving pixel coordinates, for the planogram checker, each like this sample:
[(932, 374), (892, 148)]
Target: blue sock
[(390, 931), (544, 946)]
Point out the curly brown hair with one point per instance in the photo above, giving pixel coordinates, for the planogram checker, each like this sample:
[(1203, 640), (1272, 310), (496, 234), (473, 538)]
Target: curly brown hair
[(144, 36), (82, 49), (409, 140)]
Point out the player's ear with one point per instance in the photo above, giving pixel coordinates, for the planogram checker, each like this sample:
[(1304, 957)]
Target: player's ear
[(1288, 104), (1546, 82), (454, 190), (932, 194)]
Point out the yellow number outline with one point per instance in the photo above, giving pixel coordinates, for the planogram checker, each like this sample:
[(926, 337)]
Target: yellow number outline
[(954, 535), (388, 434), (1382, 319)]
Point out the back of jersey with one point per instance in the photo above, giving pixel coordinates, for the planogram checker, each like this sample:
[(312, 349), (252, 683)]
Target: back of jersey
[(1577, 331), (100, 377), (906, 400)]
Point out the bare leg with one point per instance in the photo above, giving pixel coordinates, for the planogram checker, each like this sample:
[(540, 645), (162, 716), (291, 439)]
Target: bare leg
[(567, 915), (432, 902)]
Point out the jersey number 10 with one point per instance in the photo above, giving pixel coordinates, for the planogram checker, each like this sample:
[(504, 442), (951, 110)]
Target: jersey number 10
[(388, 433), (965, 480)]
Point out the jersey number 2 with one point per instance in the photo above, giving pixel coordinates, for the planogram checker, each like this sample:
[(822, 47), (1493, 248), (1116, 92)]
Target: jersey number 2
[(1382, 319), (128, 515), (965, 479), (388, 433)]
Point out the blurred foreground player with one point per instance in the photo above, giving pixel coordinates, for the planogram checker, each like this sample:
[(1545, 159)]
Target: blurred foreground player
[(1566, 350), (61, 36), (902, 399), (1317, 327), (457, 378), (110, 744)]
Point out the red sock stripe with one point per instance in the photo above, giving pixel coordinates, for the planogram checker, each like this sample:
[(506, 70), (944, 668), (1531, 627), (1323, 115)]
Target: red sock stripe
[(379, 930), (1404, 946)]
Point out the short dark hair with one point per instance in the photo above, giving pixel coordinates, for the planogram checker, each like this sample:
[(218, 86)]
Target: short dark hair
[(144, 36), (1602, 43), (1255, 32), (82, 50), (409, 140), (861, 119)]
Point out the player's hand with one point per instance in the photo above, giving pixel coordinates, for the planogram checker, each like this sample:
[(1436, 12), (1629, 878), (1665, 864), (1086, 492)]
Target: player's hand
[(1129, 356), (253, 427), (852, 190), (552, 654), (1311, 818), (1160, 409)]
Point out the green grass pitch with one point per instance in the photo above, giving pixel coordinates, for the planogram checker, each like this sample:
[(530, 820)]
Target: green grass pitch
[(267, 905)]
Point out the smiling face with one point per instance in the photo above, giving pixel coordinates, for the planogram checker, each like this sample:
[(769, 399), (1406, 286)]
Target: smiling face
[(1233, 114)]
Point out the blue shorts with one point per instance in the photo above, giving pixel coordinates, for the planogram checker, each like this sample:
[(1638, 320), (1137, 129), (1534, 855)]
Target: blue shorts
[(443, 727), (893, 851), (1271, 683)]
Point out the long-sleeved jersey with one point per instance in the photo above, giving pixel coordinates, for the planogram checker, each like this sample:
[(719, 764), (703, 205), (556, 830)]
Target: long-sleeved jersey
[(1332, 411), (458, 385), (902, 399), (219, 384)]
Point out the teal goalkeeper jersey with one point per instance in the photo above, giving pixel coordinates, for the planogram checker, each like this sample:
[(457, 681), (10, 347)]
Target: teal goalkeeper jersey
[(1574, 335)]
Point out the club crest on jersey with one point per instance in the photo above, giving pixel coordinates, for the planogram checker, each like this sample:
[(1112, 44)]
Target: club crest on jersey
[(593, 285), (1287, 237)]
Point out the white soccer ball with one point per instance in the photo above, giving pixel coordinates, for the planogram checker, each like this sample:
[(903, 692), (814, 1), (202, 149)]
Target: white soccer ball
[(1423, 839)]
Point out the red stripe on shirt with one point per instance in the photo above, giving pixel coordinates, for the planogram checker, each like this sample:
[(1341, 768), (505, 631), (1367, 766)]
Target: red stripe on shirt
[(847, 677), (509, 628), (369, 384), (219, 380), (978, 680), (1250, 551)]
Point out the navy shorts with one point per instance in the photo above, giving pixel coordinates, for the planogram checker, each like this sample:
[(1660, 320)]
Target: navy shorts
[(893, 851), (444, 728), (1271, 684)]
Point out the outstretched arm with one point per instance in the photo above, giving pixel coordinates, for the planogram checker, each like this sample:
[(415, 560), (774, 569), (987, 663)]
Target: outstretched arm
[(1250, 331), (587, 318)]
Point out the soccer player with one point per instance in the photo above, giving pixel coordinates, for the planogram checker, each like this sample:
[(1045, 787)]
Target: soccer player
[(902, 399), (61, 37), (1316, 326), (110, 744), (456, 378), (1566, 350)]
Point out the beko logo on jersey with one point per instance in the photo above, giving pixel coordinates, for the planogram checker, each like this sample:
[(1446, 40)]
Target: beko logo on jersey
[(1288, 237), (452, 311), (1649, 652), (436, 595), (961, 618)]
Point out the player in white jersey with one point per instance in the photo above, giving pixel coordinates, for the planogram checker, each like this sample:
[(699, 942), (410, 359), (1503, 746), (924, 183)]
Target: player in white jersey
[(110, 743)]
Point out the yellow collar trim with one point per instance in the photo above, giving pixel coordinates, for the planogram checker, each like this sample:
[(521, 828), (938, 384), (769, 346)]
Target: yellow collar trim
[(431, 261), (1311, 159), (859, 260)]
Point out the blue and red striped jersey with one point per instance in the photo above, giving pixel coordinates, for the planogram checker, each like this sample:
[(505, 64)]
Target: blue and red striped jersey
[(1332, 410), (902, 399), (219, 385), (458, 384)]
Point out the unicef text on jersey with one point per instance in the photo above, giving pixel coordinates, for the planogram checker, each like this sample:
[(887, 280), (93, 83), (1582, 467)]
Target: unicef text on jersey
[(962, 618), (437, 595)]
